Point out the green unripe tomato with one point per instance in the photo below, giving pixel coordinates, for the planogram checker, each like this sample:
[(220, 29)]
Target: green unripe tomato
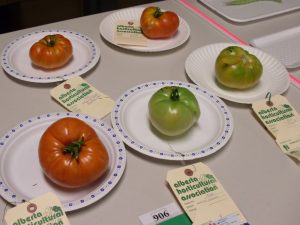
[(173, 110), (237, 68)]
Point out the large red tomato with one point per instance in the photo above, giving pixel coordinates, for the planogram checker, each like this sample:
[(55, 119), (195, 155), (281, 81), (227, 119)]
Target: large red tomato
[(51, 52), (157, 24), (71, 154)]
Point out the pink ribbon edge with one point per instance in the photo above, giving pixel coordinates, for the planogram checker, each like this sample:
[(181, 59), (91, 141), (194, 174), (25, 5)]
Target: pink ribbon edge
[(224, 30)]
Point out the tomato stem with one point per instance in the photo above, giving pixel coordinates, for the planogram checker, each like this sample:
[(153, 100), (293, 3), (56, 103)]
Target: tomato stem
[(157, 12), (51, 41), (74, 148), (174, 94)]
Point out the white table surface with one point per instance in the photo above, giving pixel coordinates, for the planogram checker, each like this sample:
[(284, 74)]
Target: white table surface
[(253, 29), (262, 181)]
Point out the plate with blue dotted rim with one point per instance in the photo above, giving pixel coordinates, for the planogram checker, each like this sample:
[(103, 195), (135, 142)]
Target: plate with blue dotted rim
[(16, 62), (131, 122), (22, 178)]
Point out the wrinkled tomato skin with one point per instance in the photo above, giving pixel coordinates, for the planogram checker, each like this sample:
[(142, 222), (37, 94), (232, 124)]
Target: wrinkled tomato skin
[(52, 51), (162, 26), (238, 69), (60, 167)]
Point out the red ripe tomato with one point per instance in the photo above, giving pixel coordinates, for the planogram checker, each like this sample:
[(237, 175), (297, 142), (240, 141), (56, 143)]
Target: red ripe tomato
[(158, 24), (51, 52), (71, 154)]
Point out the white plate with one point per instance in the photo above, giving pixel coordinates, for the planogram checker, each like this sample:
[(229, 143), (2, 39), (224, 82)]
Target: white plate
[(200, 67), (283, 45), (252, 11), (212, 131), (21, 177), (16, 62), (108, 23)]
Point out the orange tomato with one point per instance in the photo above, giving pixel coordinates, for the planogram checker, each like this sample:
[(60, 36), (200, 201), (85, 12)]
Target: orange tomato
[(51, 52), (157, 24), (71, 154)]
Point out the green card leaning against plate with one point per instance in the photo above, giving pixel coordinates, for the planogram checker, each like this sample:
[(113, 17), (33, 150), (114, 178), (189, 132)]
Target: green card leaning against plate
[(181, 219)]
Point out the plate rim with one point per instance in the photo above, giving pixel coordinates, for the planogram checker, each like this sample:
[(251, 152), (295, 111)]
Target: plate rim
[(134, 48), (139, 147), (12, 71), (225, 44), (94, 195)]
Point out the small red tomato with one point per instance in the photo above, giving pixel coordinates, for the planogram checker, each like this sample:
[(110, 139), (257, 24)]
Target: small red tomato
[(51, 52), (157, 24)]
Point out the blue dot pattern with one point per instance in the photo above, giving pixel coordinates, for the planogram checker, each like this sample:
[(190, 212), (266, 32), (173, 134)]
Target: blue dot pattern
[(117, 157), (75, 37), (135, 144)]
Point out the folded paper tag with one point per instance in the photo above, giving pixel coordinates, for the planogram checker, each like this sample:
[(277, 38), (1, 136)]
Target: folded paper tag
[(201, 195), (282, 121), (77, 95), (45, 209), (275, 113), (129, 33), (288, 139)]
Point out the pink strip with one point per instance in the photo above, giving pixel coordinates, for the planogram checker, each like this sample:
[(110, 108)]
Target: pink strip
[(214, 23), (293, 78), (234, 37)]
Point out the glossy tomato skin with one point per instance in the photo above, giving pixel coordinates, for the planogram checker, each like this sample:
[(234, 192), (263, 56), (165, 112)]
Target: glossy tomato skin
[(173, 110), (61, 167), (237, 68), (157, 24), (52, 51)]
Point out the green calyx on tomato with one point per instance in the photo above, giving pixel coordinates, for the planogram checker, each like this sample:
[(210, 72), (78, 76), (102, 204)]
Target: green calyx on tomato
[(173, 110), (157, 12), (237, 68), (74, 148), (50, 40)]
